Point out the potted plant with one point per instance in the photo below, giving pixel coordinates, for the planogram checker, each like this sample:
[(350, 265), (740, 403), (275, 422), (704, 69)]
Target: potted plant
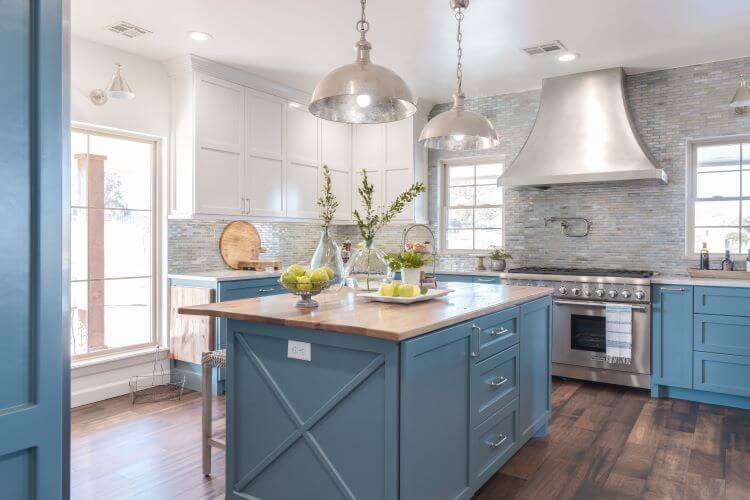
[(328, 253), (497, 258), (411, 265), (367, 267)]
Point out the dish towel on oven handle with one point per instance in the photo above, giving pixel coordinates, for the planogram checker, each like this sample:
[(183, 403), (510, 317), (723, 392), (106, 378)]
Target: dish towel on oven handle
[(619, 333)]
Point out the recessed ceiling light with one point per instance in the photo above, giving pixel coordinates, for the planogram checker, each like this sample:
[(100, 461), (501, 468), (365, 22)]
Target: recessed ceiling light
[(567, 57), (199, 36)]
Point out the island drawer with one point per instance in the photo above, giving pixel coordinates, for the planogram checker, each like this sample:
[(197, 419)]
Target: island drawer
[(722, 300), (494, 384), (249, 289), (497, 332), (494, 442), (722, 334)]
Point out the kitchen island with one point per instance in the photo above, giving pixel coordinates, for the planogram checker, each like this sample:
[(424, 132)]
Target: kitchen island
[(367, 400)]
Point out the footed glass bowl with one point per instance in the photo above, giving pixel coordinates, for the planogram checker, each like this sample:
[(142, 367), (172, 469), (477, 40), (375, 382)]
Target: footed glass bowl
[(306, 292)]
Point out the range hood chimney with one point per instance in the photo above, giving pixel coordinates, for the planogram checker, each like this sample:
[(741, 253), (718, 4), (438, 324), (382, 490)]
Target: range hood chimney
[(583, 134)]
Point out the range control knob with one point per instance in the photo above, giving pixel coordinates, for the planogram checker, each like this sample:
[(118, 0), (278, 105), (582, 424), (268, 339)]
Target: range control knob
[(625, 294), (587, 293), (599, 292), (576, 291), (563, 290), (612, 294), (640, 294)]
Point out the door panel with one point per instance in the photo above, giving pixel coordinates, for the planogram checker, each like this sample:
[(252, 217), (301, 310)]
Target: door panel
[(396, 182), (302, 190), (218, 113), (218, 182), (264, 175), (263, 186), (34, 267), (336, 152), (673, 336)]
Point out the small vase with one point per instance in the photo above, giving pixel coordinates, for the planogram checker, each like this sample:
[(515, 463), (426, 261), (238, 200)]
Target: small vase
[(498, 265), (328, 254), (366, 268), (411, 276)]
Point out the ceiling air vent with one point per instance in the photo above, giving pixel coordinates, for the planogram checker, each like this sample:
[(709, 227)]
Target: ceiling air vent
[(545, 48), (126, 29)]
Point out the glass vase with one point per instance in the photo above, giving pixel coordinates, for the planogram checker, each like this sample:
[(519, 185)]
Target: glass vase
[(328, 254), (367, 268)]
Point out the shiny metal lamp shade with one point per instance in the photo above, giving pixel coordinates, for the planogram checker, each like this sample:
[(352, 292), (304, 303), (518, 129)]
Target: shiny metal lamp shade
[(118, 88), (459, 129), (362, 92), (741, 101)]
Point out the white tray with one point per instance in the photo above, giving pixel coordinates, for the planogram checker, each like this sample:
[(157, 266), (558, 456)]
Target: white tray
[(432, 293)]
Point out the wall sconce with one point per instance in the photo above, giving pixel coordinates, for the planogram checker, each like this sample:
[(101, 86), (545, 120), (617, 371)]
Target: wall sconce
[(741, 101), (118, 88)]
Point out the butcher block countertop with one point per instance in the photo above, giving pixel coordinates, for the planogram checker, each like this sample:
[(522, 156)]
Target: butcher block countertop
[(344, 312)]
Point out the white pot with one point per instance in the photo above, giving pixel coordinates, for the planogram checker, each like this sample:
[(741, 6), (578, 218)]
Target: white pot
[(411, 276)]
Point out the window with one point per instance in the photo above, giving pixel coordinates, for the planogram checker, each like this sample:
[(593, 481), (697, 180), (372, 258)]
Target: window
[(472, 215), (113, 243), (719, 197)]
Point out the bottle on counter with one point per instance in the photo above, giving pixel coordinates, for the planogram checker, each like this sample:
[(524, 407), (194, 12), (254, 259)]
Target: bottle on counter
[(727, 264), (704, 262)]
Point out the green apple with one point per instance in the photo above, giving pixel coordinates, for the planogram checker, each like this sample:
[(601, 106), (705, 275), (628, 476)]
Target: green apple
[(319, 276), (288, 278), (296, 270), (303, 283), (387, 290)]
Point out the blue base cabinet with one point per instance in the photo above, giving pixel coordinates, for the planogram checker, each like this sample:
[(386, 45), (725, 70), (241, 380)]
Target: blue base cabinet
[(432, 417), (701, 344)]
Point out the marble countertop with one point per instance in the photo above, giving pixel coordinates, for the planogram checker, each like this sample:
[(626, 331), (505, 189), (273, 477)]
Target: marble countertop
[(688, 281), (344, 312), (224, 275)]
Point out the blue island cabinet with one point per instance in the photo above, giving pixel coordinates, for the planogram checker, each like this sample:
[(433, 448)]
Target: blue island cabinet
[(321, 415)]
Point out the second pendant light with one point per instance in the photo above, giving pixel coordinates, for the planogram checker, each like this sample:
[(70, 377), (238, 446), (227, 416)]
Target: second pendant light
[(459, 129)]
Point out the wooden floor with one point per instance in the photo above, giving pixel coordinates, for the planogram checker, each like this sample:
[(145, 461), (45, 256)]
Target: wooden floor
[(605, 442)]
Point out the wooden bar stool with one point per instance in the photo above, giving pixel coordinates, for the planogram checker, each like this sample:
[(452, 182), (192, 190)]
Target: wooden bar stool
[(209, 361)]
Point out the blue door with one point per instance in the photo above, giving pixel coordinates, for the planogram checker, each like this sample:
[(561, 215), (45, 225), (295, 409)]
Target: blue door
[(34, 365)]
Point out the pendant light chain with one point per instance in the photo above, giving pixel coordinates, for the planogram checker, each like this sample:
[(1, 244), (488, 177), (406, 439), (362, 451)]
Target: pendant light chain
[(459, 52), (362, 25)]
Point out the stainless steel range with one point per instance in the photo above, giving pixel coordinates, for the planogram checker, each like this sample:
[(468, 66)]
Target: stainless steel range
[(578, 322)]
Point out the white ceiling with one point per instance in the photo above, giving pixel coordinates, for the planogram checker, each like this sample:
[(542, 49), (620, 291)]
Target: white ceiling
[(296, 42)]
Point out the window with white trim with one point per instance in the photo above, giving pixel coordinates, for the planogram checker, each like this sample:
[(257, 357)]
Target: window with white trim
[(719, 197), (472, 206)]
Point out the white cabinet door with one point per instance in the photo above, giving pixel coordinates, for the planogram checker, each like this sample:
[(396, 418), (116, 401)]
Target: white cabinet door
[(336, 152), (398, 175), (368, 153), (302, 175), (218, 146), (264, 175)]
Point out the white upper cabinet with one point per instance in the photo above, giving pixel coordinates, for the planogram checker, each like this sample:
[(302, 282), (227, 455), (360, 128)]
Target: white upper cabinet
[(264, 175), (242, 146), (219, 159), (302, 163), (336, 152)]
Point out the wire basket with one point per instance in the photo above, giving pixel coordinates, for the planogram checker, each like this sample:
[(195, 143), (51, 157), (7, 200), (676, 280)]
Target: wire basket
[(159, 386)]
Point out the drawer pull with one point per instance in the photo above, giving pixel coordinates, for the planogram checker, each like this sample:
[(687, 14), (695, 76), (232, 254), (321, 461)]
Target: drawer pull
[(496, 444), (486, 280), (667, 289), (475, 328), (266, 290), (498, 332), (498, 382)]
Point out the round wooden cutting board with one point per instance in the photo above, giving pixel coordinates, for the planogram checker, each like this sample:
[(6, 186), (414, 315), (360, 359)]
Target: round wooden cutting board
[(240, 242)]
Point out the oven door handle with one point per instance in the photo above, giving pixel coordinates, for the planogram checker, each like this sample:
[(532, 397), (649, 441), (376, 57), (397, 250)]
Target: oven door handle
[(594, 304)]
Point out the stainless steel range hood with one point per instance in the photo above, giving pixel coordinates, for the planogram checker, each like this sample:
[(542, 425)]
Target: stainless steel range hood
[(583, 134)]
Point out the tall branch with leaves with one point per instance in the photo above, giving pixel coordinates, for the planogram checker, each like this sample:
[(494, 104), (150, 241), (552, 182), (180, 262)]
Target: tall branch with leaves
[(372, 221), (328, 202)]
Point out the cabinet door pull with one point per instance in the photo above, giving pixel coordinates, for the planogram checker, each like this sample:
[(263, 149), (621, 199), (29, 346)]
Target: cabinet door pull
[(266, 290), (495, 444), (475, 328), (498, 332), (486, 280), (667, 289), (498, 382)]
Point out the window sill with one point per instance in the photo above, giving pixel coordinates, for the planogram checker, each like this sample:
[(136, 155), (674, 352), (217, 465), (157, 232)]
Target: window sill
[(124, 358)]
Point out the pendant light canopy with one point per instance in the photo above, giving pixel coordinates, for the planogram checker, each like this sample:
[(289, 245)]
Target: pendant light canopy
[(459, 129), (362, 92), (741, 101)]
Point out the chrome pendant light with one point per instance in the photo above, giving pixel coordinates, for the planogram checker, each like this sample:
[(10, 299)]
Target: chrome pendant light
[(118, 88), (459, 129), (362, 92)]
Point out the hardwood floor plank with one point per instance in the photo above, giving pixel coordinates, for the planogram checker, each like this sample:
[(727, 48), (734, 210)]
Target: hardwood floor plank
[(737, 475), (672, 456), (707, 457), (698, 487)]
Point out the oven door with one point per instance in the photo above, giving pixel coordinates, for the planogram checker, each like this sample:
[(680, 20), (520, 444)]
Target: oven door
[(579, 336)]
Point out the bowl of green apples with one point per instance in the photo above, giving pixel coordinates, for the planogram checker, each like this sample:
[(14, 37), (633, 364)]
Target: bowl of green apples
[(306, 283)]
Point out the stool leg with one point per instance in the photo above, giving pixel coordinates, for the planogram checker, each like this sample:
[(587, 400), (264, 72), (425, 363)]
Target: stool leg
[(207, 418)]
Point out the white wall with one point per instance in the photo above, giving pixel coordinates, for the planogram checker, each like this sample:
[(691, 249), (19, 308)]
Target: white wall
[(92, 65)]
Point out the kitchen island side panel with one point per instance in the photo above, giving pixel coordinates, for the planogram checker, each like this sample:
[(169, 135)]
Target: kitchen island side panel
[(322, 428)]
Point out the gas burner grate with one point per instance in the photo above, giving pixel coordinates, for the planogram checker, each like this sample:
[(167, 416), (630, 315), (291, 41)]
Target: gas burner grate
[(567, 271)]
